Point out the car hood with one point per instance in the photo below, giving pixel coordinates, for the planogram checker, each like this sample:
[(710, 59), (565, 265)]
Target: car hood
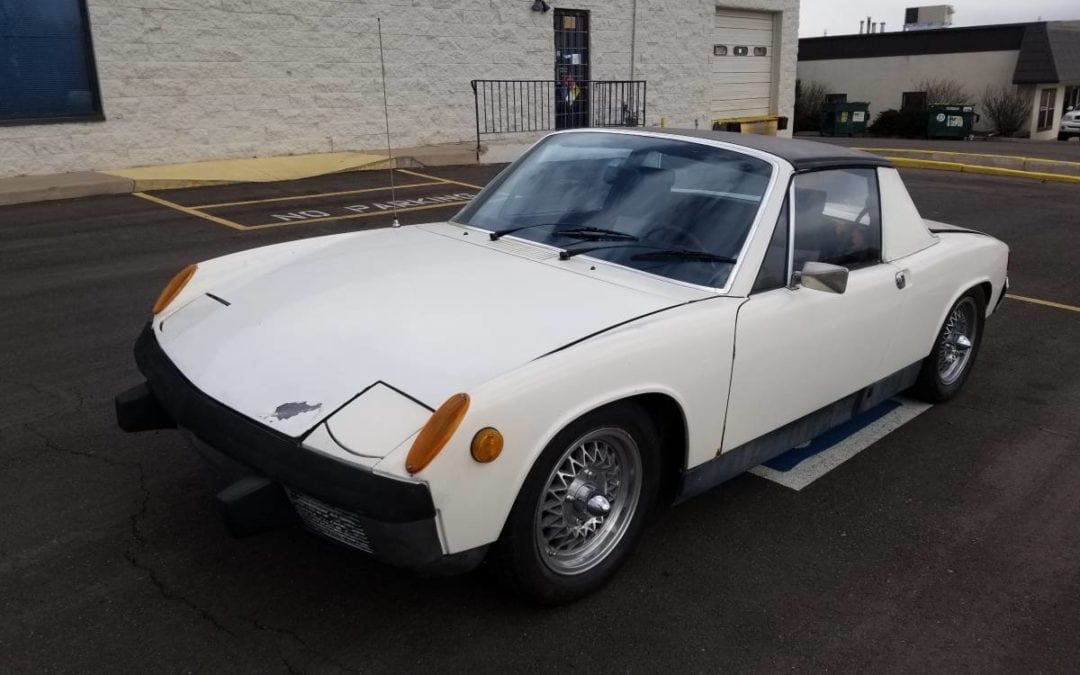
[(288, 334)]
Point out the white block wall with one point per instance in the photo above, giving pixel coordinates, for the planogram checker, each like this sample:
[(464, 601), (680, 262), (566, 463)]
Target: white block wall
[(882, 80), (186, 80)]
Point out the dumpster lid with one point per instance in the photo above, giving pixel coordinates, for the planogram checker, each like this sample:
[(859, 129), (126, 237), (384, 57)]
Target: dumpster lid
[(801, 154)]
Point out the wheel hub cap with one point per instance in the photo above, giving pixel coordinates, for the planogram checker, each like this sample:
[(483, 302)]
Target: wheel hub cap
[(957, 338), (589, 501)]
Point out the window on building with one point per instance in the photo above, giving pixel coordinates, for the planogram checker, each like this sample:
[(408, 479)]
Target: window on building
[(1046, 108), (46, 62), (836, 98), (1072, 98), (913, 100)]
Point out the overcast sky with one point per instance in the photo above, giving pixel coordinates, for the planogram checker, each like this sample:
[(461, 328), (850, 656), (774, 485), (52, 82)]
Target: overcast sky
[(841, 18)]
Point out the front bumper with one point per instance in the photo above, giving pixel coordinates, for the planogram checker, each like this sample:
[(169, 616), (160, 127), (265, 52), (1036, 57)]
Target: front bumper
[(391, 519)]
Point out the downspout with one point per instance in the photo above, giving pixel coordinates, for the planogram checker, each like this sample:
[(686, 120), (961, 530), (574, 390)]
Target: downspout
[(633, 35)]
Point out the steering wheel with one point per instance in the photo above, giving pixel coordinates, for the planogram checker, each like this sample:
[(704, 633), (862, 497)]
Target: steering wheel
[(679, 236)]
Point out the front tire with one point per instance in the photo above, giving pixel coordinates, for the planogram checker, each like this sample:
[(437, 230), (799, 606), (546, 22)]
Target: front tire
[(944, 372), (582, 507)]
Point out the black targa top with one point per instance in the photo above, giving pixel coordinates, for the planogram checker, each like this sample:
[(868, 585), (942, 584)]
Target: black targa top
[(801, 154)]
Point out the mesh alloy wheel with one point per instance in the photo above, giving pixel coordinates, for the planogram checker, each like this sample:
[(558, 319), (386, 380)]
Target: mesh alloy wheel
[(588, 502)]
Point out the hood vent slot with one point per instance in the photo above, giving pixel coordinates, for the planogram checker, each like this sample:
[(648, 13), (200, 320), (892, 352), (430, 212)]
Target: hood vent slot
[(524, 250)]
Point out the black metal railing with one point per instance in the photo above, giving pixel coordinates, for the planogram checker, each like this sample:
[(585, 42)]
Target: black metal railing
[(517, 106)]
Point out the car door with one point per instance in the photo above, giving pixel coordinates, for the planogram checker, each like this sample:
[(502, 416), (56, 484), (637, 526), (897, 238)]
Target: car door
[(799, 349)]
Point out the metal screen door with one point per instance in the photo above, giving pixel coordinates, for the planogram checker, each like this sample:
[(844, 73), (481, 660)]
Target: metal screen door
[(571, 68)]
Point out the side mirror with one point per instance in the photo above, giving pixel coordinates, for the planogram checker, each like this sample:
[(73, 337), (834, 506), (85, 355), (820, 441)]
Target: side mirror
[(823, 277)]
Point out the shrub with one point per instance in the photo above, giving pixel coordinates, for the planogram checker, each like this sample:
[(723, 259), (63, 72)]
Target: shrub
[(809, 99), (943, 90), (1007, 108), (899, 123)]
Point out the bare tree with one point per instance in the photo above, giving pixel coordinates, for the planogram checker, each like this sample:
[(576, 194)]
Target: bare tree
[(942, 90), (1006, 107), (809, 99)]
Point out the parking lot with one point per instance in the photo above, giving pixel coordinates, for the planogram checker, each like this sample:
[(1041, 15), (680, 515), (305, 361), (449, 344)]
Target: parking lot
[(949, 544)]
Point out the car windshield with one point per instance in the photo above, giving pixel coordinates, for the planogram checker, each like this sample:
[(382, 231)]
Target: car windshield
[(674, 208)]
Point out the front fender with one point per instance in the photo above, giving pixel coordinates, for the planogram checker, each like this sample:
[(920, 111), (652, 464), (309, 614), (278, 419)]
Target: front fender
[(684, 353)]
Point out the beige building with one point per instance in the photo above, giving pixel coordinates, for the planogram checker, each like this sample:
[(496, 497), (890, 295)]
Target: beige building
[(1042, 60), (138, 82)]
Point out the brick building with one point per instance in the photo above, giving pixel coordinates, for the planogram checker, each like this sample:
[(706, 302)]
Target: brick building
[(93, 84)]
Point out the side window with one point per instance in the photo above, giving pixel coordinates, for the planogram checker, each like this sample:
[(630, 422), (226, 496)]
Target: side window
[(773, 272), (837, 218)]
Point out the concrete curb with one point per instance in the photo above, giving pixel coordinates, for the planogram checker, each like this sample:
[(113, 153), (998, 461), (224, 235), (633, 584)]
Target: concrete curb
[(908, 162)]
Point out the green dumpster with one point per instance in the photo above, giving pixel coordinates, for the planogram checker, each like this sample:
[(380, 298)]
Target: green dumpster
[(845, 118), (950, 120)]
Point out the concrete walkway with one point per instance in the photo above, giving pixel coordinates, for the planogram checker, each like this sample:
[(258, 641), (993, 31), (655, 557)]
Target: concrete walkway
[(258, 170), (28, 189)]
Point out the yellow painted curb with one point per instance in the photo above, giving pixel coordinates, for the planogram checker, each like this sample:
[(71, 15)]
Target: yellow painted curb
[(911, 163), (1018, 158), (258, 170)]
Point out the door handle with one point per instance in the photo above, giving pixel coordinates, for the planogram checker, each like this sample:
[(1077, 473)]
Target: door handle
[(901, 279)]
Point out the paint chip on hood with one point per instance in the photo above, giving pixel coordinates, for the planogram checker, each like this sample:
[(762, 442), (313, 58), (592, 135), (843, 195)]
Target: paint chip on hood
[(289, 410)]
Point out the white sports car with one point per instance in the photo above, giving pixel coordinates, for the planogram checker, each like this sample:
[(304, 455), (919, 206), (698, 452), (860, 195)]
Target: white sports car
[(621, 316)]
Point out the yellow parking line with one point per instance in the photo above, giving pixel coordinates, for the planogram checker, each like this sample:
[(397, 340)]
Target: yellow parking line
[(355, 215), (190, 211), (445, 180), (1047, 303), (313, 196)]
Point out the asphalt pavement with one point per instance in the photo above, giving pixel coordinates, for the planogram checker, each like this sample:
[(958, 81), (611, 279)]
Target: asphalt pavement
[(951, 545)]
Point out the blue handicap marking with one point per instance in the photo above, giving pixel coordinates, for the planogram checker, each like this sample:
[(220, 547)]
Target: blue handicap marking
[(801, 466), (792, 458)]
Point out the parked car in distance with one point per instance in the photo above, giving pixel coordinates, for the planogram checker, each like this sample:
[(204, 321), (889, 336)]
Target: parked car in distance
[(1070, 125), (621, 316)]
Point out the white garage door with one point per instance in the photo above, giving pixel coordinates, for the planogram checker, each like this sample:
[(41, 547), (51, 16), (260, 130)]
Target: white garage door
[(742, 63)]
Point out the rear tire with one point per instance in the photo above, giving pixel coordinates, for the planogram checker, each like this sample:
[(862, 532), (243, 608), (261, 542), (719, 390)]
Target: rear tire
[(582, 507), (945, 370)]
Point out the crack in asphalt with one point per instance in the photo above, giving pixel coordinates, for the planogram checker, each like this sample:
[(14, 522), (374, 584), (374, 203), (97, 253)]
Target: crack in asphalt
[(136, 539), (79, 402)]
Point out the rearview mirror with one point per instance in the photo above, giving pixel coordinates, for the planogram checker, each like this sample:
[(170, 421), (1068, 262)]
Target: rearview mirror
[(824, 277)]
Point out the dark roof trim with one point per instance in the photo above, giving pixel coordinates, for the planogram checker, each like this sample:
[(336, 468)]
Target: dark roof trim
[(803, 155), (1002, 37), (1051, 53), (1036, 61), (826, 163)]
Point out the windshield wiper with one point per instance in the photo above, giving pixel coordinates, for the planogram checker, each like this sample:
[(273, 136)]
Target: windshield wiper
[(582, 232), (683, 254), (657, 253), (595, 233)]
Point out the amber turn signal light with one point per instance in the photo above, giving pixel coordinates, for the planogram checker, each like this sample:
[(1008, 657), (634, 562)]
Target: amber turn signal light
[(486, 445), (173, 288), (437, 432)]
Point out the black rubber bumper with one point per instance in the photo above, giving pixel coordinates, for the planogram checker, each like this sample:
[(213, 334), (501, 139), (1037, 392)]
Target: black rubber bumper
[(398, 517)]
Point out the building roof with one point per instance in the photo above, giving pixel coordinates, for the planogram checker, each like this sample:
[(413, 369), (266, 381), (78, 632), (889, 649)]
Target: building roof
[(801, 154), (1001, 37), (1049, 51)]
